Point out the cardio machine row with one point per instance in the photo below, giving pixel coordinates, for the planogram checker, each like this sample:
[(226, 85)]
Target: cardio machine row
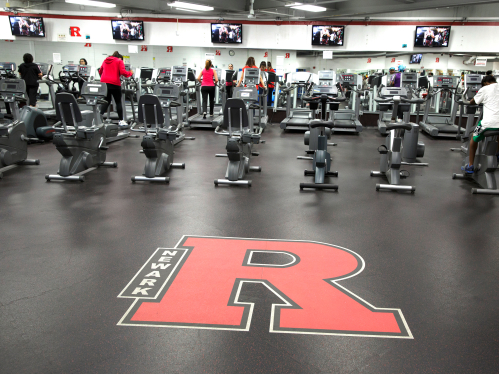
[(83, 147)]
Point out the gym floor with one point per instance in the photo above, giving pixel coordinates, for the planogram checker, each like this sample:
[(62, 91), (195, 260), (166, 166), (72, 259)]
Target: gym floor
[(69, 249)]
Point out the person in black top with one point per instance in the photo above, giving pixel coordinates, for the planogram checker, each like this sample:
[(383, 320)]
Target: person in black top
[(30, 72)]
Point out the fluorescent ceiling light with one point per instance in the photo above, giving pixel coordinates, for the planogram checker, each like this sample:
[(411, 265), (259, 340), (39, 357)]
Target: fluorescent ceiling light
[(99, 4), (309, 8), (180, 4), (293, 4)]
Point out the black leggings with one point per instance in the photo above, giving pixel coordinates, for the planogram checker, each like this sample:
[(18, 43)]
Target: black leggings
[(205, 91), (114, 92), (32, 91)]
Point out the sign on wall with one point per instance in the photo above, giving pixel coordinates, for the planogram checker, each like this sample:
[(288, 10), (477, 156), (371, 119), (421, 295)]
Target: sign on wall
[(209, 56), (61, 37), (74, 31), (169, 49), (327, 55), (480, 62), (143, 48), (133, 49)]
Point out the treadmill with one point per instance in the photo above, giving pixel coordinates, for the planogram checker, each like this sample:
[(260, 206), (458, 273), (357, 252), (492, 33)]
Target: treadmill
[(298, 118), (409, 81), (7, 70), (197, 119), (347, 120), (441, 126)]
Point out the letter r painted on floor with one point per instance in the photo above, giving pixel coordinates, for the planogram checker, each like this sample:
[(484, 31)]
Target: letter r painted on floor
[(204, 292)]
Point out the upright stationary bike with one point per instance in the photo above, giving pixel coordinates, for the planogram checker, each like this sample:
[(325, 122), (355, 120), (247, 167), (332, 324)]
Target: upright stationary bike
[(321, 157)]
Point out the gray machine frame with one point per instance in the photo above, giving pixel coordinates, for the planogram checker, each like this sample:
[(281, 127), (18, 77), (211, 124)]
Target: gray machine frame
[(13, 136)]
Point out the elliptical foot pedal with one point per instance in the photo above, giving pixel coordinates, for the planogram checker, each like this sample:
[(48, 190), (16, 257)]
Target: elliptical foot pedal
[(309, 173), (255, 168), (309, 152), (178, 165)]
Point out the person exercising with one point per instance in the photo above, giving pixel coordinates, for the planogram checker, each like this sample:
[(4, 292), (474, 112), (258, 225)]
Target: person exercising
[(81, 81), (270, 84), (110, 72), (208, 86), (397, 77), (229, 84), (250, 63), (30, 72), (488, 95)]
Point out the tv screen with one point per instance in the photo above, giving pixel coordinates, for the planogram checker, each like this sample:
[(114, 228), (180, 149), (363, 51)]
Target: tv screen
[(226, 33), (432, 36), (416, 59), (128, 30), (328, 35), (27, 26)]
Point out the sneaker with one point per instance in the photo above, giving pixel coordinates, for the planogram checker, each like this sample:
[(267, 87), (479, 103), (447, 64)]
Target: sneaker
[(123, 125), (204, 115), (468, 169)]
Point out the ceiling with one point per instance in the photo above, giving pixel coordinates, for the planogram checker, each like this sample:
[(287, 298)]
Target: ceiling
[(272, 9)]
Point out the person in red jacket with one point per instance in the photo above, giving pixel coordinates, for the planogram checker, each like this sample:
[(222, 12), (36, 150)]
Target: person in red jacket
[(110, 72)]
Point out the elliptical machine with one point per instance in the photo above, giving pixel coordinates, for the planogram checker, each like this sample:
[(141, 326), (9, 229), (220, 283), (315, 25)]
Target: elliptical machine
[(391, 151), (157, 143), (83, 148), (321, 158), (239, 143), (13, 136)]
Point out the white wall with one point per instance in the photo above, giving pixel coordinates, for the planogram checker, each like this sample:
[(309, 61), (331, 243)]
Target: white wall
[(262, 36)]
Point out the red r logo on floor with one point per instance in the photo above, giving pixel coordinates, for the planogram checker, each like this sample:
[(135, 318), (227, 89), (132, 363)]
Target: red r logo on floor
[(182, 287)]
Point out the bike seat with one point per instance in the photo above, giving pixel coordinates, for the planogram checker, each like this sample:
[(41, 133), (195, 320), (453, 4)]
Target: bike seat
[(232, 146), (488, 133), (398, 126), (319, 123)]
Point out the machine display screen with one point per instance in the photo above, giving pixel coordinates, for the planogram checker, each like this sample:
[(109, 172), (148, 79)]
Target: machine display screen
[(166, 92), (347, 78), (416, 59), (245, 94), (91, 89), (445, 80), (432, 36), (226, 33), (179, 71), (328, 35), (27, 26), (70, 68), (394, 92), (474, 79), (11, 87), (128, 30)]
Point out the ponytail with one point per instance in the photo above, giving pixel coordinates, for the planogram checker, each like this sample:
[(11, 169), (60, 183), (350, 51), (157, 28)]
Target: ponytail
[(207, 64)]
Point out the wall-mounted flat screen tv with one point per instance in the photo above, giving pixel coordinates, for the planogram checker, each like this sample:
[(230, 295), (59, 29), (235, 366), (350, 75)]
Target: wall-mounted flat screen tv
[(328, 35), (226, 33), (128, 30), (416, 59), (27, 26), (432, 36)]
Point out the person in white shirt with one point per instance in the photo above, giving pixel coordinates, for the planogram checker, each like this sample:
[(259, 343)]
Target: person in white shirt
[(488, 95)]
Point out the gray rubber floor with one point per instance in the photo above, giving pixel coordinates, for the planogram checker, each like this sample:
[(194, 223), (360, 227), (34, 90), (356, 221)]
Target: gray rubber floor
[(68, 250)]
